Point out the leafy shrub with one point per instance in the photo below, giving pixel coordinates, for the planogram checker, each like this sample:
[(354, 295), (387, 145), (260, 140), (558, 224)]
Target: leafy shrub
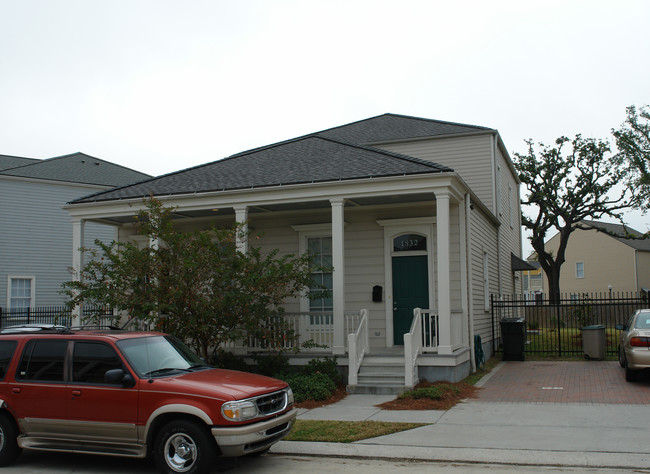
[(325, 366), (434, 392), (228, 360), (272, 365), (315, 386)]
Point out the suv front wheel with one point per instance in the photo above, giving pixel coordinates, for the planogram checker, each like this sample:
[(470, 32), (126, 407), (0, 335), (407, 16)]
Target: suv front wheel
[(9, 449), (184, 447)]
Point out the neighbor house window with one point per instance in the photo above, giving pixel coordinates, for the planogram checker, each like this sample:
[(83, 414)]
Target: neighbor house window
[(320, 250), (580, 269), (21, 293)]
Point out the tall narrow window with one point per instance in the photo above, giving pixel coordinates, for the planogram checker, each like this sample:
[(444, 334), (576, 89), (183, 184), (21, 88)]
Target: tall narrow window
[(486, 281), (20, 293), (320, 249), (580, 269)]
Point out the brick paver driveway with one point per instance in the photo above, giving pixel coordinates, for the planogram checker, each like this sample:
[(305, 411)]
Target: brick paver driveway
[(564, 382)]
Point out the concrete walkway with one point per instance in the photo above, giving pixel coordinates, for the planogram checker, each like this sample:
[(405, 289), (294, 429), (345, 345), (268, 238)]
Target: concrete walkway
[(575, 433)]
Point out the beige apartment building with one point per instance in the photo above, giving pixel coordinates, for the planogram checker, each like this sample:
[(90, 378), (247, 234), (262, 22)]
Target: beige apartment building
[(603, 260)]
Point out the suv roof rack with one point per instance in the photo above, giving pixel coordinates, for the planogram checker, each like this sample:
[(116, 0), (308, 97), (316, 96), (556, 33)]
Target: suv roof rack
[(36, 327), (96, 327)]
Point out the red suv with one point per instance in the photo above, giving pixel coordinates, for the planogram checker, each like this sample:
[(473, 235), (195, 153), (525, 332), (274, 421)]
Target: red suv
[(131, 394)]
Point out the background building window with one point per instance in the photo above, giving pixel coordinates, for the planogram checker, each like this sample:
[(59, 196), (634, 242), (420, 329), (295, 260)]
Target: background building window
[(580, 269), (21, 292)]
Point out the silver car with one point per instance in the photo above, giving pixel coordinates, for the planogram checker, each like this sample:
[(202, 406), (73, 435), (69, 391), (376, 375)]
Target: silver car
[(634, 344)]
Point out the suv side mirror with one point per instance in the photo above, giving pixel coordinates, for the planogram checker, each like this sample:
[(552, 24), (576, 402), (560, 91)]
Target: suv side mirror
[(119, 376)]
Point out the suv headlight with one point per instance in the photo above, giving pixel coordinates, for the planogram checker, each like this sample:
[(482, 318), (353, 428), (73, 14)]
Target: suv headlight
[(239, 410), (289, 396)]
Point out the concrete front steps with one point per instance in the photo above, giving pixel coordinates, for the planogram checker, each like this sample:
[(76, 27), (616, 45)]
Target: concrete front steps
[(380, 375)]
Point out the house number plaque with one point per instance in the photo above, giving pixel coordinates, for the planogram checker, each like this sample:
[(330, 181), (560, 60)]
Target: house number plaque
[(409, 242)]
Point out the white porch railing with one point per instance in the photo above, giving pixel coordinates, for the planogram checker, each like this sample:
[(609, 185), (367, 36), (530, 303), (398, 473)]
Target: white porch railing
[(423, 337), (313, 331), (358, 346)]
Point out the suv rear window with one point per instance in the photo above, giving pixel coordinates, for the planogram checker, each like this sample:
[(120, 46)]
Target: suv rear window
[(43, 360), (7, 349)]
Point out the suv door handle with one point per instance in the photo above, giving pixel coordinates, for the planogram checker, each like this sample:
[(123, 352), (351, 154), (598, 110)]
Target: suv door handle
[(76, 393), (15, 390)]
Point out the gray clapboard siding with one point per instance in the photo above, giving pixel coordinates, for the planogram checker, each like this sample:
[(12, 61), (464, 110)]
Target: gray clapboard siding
[(36, 235)]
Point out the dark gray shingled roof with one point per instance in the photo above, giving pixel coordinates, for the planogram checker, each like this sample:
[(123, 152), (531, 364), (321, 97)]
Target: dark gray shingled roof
[(8, 161), (389, 127), (616, 230), (309, 159), (78, 168)]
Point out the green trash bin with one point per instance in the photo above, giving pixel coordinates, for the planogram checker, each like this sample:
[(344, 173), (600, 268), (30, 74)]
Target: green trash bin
[(513, 338), (594, 341)]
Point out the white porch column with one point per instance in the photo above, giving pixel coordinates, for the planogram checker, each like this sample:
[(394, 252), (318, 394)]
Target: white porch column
[(444, 273), (241, 216), (78, 226), (338, 276)]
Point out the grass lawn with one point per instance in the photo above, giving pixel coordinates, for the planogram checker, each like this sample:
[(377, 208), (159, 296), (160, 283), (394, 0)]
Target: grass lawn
[(344, 431)]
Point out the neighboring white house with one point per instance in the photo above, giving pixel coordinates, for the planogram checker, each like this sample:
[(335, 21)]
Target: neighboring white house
[(36, 236), (411, 213)]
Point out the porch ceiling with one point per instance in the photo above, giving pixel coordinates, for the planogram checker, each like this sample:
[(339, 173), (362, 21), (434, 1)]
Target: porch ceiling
[(294, 206)]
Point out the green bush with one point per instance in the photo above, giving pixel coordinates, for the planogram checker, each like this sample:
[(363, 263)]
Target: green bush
[(228, 360), (272, 365), (434, 392), (315, 386), (325, 366)]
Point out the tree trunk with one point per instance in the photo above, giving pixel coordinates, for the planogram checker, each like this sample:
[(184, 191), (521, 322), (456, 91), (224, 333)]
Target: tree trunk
[(553, 276)]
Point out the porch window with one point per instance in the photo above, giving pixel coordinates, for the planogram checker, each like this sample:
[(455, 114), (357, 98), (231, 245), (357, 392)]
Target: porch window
[(320, 250), (20, 293)]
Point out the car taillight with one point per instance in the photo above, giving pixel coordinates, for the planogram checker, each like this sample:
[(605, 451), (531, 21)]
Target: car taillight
[(640, 341)]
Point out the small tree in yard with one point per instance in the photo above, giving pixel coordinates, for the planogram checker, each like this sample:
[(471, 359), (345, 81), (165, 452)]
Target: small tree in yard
[(195, 285), (565, 187)]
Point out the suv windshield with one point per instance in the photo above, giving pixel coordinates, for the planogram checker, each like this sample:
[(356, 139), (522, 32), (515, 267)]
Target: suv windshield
[(159, 355)]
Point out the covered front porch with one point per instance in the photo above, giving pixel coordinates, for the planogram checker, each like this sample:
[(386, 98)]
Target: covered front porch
[(398, 310)]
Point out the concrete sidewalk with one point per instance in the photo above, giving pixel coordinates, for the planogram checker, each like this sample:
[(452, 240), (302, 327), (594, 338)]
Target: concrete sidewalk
[(545, 434)]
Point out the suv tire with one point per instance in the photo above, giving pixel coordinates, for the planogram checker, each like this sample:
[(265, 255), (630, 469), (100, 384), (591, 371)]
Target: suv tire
[(9, 449), (184, 446)]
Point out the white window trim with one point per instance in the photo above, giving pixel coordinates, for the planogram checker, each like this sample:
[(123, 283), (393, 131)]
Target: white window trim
[(32, 302), (583, 270), (511, 207)]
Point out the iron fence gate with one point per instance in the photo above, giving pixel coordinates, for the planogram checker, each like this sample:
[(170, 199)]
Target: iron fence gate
[(555, 329)]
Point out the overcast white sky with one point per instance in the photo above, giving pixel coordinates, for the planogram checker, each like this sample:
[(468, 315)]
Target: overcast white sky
[(161, 85)]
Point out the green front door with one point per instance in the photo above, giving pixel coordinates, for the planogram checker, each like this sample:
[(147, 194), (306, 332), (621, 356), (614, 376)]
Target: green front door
[(410, 290)]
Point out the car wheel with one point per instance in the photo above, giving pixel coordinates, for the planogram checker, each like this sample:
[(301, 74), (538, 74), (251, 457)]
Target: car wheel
[(630, 375), (9, 449), (184, 447), (621, 356)]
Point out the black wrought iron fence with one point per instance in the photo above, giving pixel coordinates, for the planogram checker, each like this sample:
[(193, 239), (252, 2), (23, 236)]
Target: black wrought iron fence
[(60, 315), (555, 329)]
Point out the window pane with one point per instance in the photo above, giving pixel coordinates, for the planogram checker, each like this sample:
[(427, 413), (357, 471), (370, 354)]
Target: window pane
[(43, 360), (320, 248), (7, 349), (21, 293), (92, 360)]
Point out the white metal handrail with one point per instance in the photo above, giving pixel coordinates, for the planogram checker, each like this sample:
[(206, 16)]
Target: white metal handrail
[(358, 346), (412, 346)]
